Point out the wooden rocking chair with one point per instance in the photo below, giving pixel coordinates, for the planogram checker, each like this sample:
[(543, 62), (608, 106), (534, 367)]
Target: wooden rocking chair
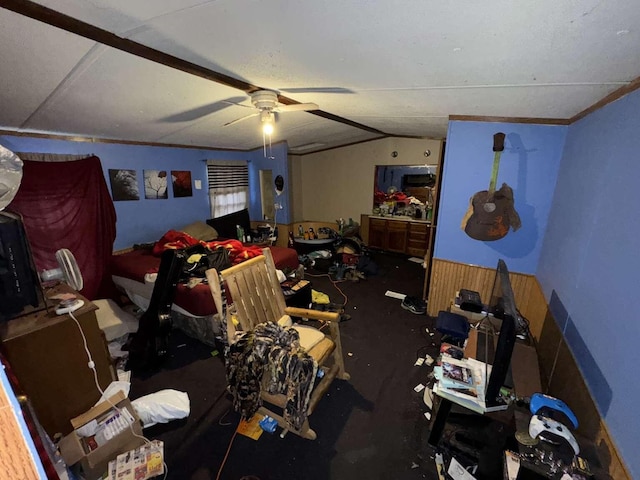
[(257, 297)]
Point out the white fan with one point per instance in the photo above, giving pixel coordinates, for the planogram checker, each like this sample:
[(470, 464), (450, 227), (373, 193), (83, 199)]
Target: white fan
[(10, 176), (67, 271), (266, 101)]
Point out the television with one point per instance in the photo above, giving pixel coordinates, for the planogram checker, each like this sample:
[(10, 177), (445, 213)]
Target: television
[(20, 286), (503, 306)]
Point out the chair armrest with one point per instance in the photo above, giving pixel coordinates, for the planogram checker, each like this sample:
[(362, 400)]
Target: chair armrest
[(314, 314)]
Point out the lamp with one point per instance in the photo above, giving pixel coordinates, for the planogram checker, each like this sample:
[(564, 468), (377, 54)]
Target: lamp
[(268, 119)]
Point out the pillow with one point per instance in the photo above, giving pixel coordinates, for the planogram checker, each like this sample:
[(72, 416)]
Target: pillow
[(114, 321), (200, 231)]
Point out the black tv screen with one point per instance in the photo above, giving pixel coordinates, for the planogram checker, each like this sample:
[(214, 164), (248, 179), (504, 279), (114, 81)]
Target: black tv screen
[(504, 306), (19, 283)]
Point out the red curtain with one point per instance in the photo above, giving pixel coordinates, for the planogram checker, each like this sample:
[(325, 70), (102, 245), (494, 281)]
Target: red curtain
[(67, 205)]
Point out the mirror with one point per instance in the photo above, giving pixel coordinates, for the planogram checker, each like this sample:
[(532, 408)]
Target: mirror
[(393, 182)]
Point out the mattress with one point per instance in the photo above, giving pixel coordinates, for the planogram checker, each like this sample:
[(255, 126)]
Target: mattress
[(128, 271)]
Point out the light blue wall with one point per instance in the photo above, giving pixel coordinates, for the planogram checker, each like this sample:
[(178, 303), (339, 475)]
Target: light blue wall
[(589, 263), (529, 165), (147, 220), (277, 163)]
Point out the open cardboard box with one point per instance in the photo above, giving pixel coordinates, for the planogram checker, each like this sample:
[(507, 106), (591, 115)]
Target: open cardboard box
[(94, 463)]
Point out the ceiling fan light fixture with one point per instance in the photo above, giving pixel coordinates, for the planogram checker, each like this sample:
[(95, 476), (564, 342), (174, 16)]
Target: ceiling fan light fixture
[(267, 118)]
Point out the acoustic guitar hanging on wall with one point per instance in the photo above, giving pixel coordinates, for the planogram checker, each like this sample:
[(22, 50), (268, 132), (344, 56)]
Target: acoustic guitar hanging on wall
[(491, 212)]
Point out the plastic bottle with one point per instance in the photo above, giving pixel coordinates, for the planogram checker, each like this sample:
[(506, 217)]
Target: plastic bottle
[(239, 232), (290, 241), (300, 231)]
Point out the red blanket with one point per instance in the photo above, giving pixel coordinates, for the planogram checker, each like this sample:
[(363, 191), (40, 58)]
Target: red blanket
[(174, 239)]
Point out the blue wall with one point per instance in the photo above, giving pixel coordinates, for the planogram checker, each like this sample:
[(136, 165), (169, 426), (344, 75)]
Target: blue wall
[(278, 165), (529, 165), (147, 220), (589, 263)]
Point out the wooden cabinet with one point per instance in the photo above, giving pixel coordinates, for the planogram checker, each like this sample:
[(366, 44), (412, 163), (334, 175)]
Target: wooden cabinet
[(377, 233), (399, 235), (46, 353), (418, 239), (396, 236)]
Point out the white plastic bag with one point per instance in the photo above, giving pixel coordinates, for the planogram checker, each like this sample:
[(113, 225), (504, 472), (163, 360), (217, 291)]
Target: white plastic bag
[(161, 407)]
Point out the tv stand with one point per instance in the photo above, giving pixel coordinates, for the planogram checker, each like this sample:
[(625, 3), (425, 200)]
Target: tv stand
[(526, 379)]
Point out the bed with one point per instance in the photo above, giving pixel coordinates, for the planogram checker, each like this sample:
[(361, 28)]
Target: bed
[(193, 308)]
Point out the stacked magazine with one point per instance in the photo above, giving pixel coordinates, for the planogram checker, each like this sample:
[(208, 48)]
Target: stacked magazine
[(461, 381)]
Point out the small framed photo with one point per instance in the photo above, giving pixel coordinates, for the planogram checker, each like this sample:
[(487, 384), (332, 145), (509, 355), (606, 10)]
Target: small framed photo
[(155, 184), (124, 184), (181, 180)]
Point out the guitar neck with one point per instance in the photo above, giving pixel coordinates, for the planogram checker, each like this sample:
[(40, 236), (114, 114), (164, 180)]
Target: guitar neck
[(494, 172), (498, 147)]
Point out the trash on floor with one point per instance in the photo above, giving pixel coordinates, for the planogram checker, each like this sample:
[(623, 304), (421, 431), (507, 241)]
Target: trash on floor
[(427, 398), (251, 428), (458, 472), (418, 388), (399, 296), (268, 424), (319, 297), (162, 407)]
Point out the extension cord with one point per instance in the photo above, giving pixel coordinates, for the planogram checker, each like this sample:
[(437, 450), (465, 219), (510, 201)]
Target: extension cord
[(68, 306)]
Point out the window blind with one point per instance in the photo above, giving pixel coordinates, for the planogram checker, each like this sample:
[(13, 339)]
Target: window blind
[(227, 174)]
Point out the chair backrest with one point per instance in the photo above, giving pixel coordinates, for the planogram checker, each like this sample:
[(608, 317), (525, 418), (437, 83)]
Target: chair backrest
[(255, 291)]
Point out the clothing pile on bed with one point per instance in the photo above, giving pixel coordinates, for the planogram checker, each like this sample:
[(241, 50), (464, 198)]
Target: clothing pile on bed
[(238, 252)]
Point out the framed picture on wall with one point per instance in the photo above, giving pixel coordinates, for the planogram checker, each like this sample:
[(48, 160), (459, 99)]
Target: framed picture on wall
[(181, 180), (155, 184), (124, 184)]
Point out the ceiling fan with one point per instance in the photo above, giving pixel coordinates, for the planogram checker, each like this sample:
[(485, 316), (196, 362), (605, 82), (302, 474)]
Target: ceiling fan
[(266, 102)]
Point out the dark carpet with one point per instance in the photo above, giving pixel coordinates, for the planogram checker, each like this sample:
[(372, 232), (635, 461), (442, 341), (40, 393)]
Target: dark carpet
[(372, 427)]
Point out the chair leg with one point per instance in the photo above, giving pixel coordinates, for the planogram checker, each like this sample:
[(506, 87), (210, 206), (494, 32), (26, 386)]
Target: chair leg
[(305, 432), (337, 353)]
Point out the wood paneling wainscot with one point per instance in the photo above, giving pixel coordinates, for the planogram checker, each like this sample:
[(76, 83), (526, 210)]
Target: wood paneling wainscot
[(561, 376)]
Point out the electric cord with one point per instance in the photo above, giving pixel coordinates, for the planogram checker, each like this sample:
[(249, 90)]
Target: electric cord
[(92, 366), (335, 284), (226, 455)]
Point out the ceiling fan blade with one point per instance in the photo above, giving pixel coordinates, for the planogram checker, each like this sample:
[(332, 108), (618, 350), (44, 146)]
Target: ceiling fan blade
[(317, 90), (237, 104), (237, 120), (298, 107), (202, 111), (194, 113)]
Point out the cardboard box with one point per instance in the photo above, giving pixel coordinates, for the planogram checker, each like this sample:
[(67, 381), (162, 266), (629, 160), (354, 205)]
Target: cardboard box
[(471, 316), (94, 463)]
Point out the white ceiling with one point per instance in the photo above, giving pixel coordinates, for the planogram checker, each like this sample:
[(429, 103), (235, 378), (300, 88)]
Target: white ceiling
[(397, 66)]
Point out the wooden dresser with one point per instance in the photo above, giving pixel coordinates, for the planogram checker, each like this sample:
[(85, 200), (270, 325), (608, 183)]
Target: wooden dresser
[(46, 353)]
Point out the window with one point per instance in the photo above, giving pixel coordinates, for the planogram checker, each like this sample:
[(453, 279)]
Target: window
[(228, 186)]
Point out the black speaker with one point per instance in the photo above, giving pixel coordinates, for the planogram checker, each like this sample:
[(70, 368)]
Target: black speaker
[(470, 301)]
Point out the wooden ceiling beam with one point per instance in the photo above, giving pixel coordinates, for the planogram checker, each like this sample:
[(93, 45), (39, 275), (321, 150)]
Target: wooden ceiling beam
[(78, 27)]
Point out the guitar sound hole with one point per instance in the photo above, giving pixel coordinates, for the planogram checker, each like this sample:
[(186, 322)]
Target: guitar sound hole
[(489, 207)]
